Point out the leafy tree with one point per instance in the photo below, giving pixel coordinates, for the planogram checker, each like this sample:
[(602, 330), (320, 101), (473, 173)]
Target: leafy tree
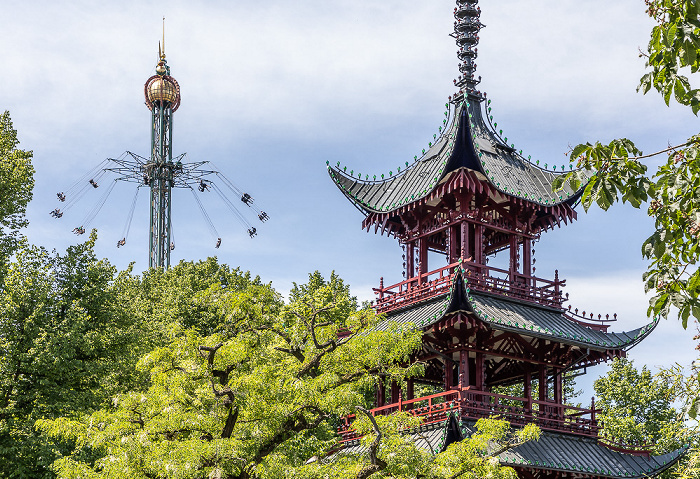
[(620, 172), (260, 397), (685, 386), (637, 408), (16, 183), (66, 345)]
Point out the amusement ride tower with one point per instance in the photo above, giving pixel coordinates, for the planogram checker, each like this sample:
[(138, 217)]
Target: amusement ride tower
[(162, 94), (161, 173)]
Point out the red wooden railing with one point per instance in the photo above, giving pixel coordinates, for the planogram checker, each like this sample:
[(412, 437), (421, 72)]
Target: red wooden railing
[(479, 277), (471, 404)]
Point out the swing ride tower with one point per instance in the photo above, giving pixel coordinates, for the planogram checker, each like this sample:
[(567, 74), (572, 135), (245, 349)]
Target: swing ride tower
[(162, 94), (161, 174)]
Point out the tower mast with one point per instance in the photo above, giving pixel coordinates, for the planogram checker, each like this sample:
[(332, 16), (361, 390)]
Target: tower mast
[(163, 99)]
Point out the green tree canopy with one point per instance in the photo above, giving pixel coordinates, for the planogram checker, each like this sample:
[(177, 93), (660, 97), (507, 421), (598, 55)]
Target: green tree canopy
[(66, 346), (261, 394), (637, 408), (620, 172), (16, 184)]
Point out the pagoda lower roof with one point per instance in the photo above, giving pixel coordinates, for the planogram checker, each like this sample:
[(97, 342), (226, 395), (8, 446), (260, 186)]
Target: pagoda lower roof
[(584, 456), (506, 314), (468, 141)]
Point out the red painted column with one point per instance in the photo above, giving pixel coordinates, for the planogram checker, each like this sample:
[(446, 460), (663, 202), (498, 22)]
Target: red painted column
[(422, 257), (395, 391), (381, 393), (454, 243), (449, 379), (463, 369), (480, 376), (558, 391), (464, 236), (513, 257), (410, 266), (527, 260), (542, 382), (527, 389), (479, 244)]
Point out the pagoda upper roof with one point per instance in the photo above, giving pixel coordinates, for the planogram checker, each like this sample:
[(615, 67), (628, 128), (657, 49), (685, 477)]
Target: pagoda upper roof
[(554, 451), (469, 141), (506, 314)]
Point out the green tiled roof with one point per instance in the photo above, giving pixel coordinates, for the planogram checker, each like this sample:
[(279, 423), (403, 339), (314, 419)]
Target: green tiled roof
[(468, 141), (502, 313)]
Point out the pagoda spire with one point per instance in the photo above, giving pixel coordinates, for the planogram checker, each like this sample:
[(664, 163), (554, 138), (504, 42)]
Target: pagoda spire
[(467, 27)]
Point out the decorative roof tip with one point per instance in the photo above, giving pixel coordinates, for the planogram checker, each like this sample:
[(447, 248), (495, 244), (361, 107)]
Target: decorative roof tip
[(467, 26)]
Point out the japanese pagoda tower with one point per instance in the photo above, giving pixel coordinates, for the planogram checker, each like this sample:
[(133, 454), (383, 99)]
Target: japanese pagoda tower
[(469, 196)]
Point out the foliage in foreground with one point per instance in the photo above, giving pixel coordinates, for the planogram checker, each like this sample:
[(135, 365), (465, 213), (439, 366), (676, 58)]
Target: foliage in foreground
[(16, 184), (262, 395), (673, 249), (263, 392)]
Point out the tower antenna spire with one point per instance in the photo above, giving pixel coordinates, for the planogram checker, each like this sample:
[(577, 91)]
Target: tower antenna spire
[(162, 53)]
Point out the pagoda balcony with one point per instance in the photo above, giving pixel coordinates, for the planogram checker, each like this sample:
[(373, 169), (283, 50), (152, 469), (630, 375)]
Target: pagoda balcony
[(468, 403), (479, 277)]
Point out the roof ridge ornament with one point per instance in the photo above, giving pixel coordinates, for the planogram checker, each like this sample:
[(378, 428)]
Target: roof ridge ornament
[(467, 26)]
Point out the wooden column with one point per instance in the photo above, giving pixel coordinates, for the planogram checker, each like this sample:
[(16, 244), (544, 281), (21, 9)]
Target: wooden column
[(464, 240), (395, 391), (527, 259), (422, 257), (381, 393), (479, 244), (410, 394), (454, 243), (449, 379), (480, 376), (410, 265), (527, 389), (558, 387), (542, 380), (513, 257), (463, 369)]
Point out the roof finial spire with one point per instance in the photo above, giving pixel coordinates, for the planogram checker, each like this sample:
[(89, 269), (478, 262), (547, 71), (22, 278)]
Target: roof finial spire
[(162, 52), (466, 32)]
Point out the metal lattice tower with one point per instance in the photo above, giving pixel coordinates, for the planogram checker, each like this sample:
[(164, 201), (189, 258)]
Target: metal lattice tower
[(162, 94), (161, 173)]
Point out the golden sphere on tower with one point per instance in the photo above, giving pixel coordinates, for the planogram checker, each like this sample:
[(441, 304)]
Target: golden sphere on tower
[(162, 90)]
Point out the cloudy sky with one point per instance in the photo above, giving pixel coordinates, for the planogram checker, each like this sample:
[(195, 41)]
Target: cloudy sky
[(271, 90)]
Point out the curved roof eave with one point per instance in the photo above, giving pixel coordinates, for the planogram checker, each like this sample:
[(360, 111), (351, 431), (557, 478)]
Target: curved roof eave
[(508, 170), (531, 319), (414, 182), (471, 141)]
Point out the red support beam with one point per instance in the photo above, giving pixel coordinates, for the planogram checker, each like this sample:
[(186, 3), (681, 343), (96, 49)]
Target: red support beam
[(542, 383), (527, 389), (479, 244), (513, 241), (527, 259), (410, 266), (422, 257), (381, 393), (480, 376), (463, 369), (395, 391), (454, 243), (449, 379)]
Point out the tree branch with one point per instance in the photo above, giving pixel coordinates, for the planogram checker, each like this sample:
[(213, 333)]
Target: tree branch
[(376, 464)]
